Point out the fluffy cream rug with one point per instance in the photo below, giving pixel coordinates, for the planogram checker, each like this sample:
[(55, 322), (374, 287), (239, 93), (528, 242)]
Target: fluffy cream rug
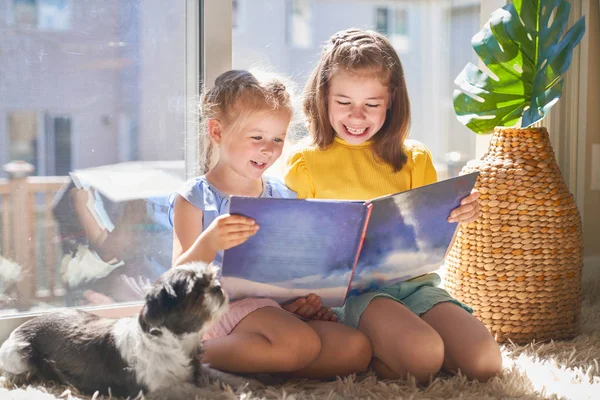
[(556, 370)]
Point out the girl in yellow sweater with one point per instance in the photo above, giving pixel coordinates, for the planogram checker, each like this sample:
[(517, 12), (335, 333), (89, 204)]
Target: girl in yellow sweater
[(358, 113)]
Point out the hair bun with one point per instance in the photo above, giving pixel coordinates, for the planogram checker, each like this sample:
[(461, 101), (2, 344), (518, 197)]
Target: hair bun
[(276, 87)]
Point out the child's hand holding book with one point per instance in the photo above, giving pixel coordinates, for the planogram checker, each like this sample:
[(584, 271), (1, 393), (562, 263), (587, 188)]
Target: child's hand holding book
[(228, 231), (310, 307), (468, 211)]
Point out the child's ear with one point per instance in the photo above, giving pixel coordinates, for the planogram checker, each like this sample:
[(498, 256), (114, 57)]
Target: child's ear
[(214, 130)]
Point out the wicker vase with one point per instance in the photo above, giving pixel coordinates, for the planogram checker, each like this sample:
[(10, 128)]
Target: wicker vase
[(519, 265)]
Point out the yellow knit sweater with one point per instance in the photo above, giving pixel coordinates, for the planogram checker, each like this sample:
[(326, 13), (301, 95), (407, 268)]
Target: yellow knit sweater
[(351, 172)]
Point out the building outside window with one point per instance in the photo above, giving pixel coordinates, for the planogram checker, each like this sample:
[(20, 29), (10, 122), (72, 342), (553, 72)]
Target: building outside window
[(300, 27), (23, 132), (43, 141), (382, 20), (393, 21), (235, 14), (48, 15), (93, 103)]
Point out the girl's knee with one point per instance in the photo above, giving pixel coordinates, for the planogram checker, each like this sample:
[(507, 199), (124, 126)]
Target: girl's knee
[(357, 350), (427, 356), (421, 356), (300, 347), (482, 360)]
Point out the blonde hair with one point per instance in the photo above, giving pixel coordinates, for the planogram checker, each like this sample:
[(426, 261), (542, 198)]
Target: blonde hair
[(237, 94), (360, 51)]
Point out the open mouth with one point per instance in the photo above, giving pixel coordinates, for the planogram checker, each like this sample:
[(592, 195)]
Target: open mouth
[(355, 131), (258, 164)]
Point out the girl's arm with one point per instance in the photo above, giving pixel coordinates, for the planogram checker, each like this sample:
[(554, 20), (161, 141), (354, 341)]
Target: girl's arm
[(191, 243), (187, 228)]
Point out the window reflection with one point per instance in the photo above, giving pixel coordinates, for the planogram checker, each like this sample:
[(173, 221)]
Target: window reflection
[(114, 230), (91, 145)]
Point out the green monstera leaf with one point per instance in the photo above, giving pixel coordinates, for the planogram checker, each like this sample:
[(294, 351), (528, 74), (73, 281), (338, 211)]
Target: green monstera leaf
[(521, 45)]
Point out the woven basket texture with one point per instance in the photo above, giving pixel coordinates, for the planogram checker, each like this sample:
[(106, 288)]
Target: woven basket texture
[(519, 265)]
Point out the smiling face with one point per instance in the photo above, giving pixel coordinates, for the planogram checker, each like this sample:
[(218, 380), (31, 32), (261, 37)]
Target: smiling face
[(252, 146), (357, 105)]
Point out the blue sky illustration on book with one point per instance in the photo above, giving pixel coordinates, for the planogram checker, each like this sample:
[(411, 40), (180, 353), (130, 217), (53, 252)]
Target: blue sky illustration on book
[(321, 236), (408, 234)]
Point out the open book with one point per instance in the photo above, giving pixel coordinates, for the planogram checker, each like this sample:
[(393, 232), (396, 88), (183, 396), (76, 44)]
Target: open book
[(338, 248)]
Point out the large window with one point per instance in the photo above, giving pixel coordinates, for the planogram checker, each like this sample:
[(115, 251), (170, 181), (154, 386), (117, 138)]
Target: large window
[(92, 132), (97, 114), (432, 38)]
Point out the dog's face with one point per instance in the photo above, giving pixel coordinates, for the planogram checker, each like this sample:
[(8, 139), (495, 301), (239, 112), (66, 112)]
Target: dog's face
[(185, 299)]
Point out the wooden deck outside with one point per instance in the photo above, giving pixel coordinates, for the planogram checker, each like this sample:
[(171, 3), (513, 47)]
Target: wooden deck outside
[(27, 224)]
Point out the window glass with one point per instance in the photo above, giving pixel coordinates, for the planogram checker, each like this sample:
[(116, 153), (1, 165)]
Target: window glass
[(51, 15), (381, 20), (91, 144), (432, 38), (235, 22), (300, 23)]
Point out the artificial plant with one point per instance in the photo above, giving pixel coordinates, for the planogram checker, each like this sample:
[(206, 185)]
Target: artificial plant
[(522, 45)]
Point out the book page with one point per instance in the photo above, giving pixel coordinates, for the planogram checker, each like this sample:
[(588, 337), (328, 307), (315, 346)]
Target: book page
[(408, 234), (302, 246)]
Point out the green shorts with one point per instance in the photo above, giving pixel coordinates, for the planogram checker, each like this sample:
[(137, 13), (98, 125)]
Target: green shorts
[(419, 295)]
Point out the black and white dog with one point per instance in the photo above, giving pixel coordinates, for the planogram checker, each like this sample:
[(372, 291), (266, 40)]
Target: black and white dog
[(158, 349)]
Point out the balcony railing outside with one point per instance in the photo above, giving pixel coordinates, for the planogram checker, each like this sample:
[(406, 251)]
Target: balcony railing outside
[(26, 215)]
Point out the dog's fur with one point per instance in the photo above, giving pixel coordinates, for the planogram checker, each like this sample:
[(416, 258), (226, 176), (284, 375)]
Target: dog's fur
[(155, 350)]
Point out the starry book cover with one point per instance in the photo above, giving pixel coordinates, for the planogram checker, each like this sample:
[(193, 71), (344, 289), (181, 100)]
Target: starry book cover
[(338, 249)]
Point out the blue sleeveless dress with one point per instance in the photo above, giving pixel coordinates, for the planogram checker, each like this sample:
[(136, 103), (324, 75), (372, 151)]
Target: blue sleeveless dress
[(213, 202), (205, 196)]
